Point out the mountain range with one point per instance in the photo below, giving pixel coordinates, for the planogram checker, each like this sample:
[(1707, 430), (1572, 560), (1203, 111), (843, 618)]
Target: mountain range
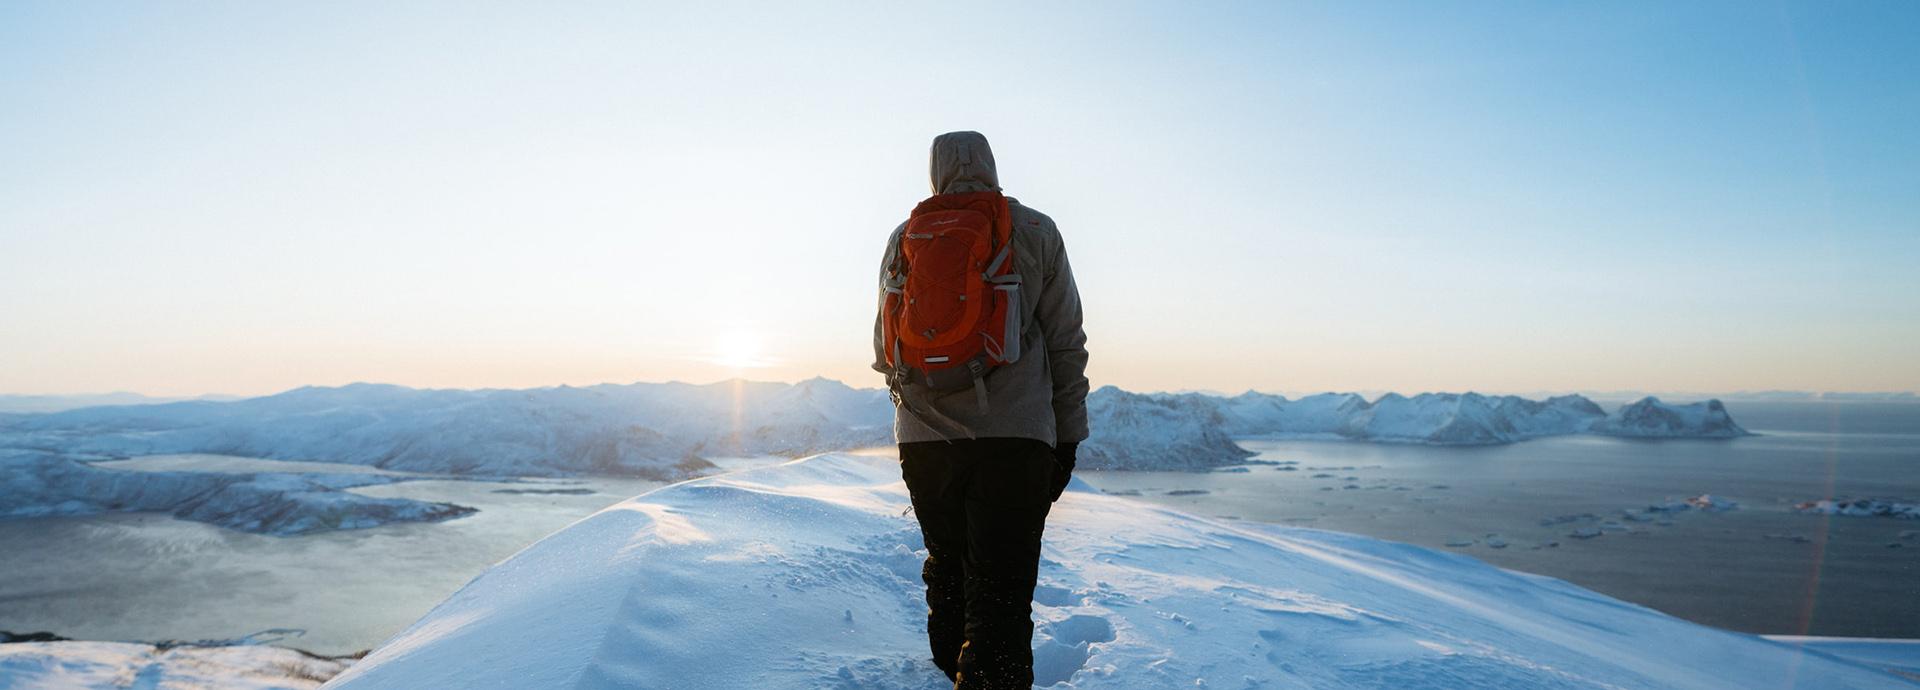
[(669, 431)]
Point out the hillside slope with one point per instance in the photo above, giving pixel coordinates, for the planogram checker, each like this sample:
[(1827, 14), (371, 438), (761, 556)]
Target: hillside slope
[(805, 575)]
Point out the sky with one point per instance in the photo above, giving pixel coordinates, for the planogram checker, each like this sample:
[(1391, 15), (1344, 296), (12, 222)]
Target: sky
[(242, 197)]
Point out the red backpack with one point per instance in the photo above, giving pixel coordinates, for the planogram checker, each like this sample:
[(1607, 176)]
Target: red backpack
[(952, 305)]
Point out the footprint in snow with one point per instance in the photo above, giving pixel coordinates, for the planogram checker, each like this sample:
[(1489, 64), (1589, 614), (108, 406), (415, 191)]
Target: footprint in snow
[(1068, 647)]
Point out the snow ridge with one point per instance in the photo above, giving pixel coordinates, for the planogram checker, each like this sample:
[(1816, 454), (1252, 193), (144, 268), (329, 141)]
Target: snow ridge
[(806, 575)]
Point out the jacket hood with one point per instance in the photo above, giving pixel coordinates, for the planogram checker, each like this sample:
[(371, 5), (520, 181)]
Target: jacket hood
[(962, 162)]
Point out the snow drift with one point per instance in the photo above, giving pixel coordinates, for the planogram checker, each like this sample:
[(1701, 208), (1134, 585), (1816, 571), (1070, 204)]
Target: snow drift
[(805, 575)]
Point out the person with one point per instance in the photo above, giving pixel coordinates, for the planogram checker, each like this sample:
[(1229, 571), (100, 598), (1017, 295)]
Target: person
[(983, 463)]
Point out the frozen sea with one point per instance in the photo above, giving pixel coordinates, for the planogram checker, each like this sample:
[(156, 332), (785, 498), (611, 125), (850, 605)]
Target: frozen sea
[(1761, 568)]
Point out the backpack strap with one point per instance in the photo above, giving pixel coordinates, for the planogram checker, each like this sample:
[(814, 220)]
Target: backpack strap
[(898, 389)]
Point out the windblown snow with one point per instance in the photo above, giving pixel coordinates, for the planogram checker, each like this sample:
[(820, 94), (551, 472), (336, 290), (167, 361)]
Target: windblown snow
[(805, 575)]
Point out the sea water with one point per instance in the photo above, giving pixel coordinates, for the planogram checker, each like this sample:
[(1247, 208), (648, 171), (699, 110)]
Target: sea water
[(1760, 568), (150, 577)]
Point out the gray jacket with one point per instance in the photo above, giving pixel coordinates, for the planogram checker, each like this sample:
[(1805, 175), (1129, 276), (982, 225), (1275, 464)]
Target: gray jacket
[(1043, 395)]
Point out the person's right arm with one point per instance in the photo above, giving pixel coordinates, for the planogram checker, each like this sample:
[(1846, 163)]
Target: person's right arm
[(1066, 342)]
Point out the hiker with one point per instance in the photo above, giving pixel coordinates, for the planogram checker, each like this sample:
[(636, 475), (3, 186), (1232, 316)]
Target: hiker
[(979, 336)]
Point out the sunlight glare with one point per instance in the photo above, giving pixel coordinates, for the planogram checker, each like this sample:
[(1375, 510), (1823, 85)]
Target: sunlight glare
[(738, 349)]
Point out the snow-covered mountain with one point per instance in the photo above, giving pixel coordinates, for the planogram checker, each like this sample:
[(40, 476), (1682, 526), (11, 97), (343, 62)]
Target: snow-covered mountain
[(1260, 414), (659, 431), (278, 503), (10, 403), (666, 430), (1437, 418), (1182, 431), (806, 575), (1471, 418), (1156, 432), (1648, 417)]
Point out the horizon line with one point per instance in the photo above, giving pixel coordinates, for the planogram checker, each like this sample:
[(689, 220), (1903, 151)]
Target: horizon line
[(1364, 392)]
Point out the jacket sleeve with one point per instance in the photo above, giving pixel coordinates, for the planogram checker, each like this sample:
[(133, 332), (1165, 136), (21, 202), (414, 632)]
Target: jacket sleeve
[(1060, 323), (879, 352)]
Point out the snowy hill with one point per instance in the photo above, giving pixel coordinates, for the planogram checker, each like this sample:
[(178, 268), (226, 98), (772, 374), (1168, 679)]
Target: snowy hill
[(1156, 432), (1648, 417), (805, 575)]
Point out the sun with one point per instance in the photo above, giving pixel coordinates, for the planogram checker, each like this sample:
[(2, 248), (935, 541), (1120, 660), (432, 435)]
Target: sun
[(738, 349)]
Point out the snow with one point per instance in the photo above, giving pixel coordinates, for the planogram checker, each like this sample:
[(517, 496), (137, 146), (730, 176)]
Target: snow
[(805, 574), (1256, 414), (671, 431), (1706, 503), (1475, 419), (1712, 504), (651, 430), (71, 665), (1863, 507), (10, 403), (276, 503), (1188, 431), (1900, 656), (1650, 418), (1132, 431)]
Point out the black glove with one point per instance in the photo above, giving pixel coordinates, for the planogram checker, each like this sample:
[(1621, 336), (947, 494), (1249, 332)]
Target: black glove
[(1063, 466)]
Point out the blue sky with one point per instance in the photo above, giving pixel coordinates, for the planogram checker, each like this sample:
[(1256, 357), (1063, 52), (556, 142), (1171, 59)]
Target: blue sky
[(245, 197)]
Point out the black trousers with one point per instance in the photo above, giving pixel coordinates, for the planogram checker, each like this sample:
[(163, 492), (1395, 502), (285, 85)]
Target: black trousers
[(982, 505)]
